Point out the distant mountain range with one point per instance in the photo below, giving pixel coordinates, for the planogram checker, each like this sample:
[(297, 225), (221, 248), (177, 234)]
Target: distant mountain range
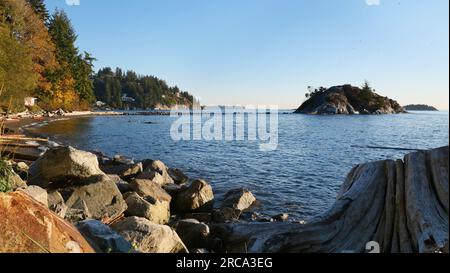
[(420, 107)]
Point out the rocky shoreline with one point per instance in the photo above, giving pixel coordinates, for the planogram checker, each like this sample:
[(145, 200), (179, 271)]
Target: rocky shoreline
[(116, 197), (68, 200)]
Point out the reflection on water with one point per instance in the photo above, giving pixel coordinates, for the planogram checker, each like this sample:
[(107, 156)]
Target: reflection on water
[(73, 127), (301, 177)]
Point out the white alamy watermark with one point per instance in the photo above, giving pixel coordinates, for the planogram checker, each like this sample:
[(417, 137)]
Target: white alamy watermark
[(373, 2), (73, 2), (250, 123)]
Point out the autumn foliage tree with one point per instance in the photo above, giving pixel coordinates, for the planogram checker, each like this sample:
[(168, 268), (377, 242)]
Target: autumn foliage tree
[(39, 58)]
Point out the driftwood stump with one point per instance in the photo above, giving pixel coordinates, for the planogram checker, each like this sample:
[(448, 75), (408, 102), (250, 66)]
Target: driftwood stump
[(402, 206)]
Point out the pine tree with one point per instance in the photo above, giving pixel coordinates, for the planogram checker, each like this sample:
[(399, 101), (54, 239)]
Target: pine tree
[(83, 71), (64, 37), (39, 8), (79, 66)]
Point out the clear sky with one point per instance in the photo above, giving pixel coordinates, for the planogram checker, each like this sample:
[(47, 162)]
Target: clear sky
[(268, 51)]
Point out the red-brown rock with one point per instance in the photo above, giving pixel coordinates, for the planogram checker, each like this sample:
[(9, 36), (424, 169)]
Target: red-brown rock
[(29, 227)]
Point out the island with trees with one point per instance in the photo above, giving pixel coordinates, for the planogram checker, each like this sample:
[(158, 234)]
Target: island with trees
[(347, 99), (420, 107)]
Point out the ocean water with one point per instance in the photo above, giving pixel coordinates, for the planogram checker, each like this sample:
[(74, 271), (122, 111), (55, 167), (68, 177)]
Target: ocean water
[(301, 177)]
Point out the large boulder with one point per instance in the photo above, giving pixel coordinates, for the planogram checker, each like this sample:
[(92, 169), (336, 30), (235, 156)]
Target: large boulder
[(124, 171), (122, 185), (102, 238), (178, 176), (16, 182), (226, 214), (197, 197), (152, 176), (96, 197), (235, 202), (27, 226), (240, 199), (159, 167), (149, 188), (155, 208), (193, 233), (148, 237), (56, 203), (61, 164), (38, 193), (9, 180)]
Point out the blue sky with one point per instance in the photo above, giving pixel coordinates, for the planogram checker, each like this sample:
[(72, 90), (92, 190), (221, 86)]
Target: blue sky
[(268, 51)]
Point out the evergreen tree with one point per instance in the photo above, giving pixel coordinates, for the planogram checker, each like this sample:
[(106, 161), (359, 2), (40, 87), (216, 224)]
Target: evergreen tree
[(147, 91), (79, 67), (83, 70), (39, 8), (64, 37)]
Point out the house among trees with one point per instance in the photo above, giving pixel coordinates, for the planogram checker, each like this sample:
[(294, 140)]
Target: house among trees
[(127, 102), (29, 102), (100, 104), (125, 98)]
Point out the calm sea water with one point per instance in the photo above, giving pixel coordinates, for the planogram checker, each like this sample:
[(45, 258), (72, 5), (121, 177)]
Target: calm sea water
[(301, 177)]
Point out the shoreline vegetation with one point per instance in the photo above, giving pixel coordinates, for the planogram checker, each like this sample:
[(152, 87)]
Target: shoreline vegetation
[(149, 207), (42, 69)]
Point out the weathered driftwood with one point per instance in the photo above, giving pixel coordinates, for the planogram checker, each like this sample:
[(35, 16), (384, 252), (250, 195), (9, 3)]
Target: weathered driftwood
[(401, 205), (21, 138), (20, 153)]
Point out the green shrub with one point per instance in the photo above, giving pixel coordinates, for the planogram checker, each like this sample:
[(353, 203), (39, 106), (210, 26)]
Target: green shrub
[(5, 173)]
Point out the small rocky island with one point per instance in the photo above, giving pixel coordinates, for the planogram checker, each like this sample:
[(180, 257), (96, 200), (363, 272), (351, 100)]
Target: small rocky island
[(348, 100), (420, 107)]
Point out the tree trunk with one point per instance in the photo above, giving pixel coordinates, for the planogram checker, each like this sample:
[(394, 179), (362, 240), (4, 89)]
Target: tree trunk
[(400, 206)]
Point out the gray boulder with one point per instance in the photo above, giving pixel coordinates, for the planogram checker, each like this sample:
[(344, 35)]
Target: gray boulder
[(235, 202), (151, 176), (61, 164), (96, 197), (155, 208), (122, 185), (159, 167), (124, 171), (224, 215), (193, 233), (149, 188), (240, 199), (102, 238), (38, 194), (56, 203), (178, 176), (198, 196), (15, 182), (148, 237)]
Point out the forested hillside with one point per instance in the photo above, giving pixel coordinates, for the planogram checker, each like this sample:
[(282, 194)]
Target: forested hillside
[(38, 58), (146, 91)]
